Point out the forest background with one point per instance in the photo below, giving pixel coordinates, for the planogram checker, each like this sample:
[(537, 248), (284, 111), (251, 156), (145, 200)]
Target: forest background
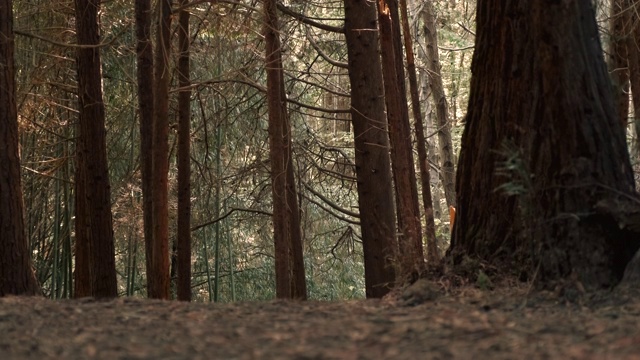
[(231, 200)]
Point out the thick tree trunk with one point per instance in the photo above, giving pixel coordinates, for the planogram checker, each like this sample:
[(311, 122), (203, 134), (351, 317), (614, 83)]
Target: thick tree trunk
[(373, 164), (425, 178), (287, 235), (144, 53), (159, 275), (410, 258), (543, 153), (16, 274), (184, 164), (447, 161), (82, 285), (618, 65), (93, 139)]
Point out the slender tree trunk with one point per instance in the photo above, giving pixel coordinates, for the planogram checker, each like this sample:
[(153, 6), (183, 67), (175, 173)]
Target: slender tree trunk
[(92, 137), (184, 169), (144, 52), (633, 52), (425, 178), (544, 175), (373, 164), (442, 112), (160, 276), (16, 274), (618, 65), (410, 257), (286, 217)]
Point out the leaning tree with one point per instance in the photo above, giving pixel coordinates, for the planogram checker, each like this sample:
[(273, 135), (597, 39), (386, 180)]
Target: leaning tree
[(544, 177)]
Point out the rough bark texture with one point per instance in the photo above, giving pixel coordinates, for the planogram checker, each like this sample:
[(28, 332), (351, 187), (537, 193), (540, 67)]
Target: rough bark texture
[(373, 164), (159, 275), (618, 65), (82, 270), (93, 146), (541, 126), (410, 257), (423, 161), (184, 164), (144, 53), (447, 162), (16, 274), (287, 235)]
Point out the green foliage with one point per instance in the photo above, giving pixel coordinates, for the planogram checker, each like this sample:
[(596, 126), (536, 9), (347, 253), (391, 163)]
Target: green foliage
[(228, 78)]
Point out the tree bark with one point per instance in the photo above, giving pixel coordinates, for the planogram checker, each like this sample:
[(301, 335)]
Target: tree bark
[(16, 273), (373, 164), (93, 146), (410, 258), (543, 153), (290, 279), (425, 177), (159, 275), (144, 54), (447, 162), (184, 166), (633, 50)]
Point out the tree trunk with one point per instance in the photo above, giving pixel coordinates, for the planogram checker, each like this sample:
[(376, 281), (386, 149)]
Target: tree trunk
[(633, 50), (287, 234), (144, 52), (543, 153), (16, 274), (159, 274), (373, 164), (184, 166), (618, 66), (92, 137), (425, 178), (410, 257), (447, 169)]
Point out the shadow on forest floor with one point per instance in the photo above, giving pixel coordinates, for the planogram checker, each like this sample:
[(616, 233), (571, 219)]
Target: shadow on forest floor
[(418, 323)]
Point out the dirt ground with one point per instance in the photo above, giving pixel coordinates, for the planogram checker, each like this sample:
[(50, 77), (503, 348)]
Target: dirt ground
[(421, 322)]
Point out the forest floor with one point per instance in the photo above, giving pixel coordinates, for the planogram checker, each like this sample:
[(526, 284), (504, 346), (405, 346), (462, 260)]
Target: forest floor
[(420, 322)]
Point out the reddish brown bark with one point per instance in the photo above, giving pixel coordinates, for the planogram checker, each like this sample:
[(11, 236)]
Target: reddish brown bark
[(94, 172), (159, 276), (144, 53), (373, 164), (543, 153), (16, 274), (290, 279), (410, 256), (423, 161)]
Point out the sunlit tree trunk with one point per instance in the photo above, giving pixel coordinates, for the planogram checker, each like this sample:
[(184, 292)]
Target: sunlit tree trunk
[(290, 280), (16, 274), (144, 54), (373, 164), (544, 162), (184, 168), (94, 172), (410, 257), (159, 272), (633, 52), (447, 160)]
